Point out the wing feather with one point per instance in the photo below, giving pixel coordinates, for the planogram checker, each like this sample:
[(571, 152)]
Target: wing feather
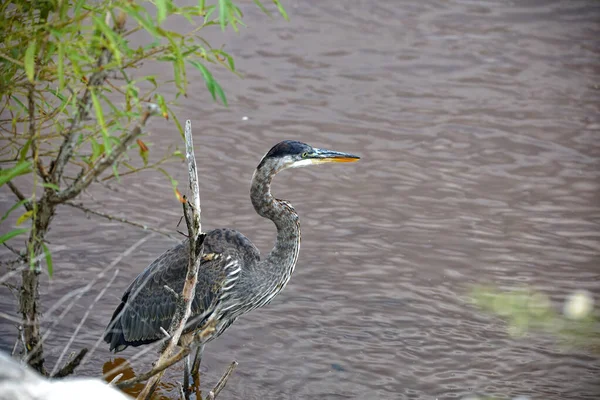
[(150, 303)]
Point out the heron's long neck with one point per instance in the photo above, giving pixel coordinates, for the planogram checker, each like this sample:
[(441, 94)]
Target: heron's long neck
[(279, 264)]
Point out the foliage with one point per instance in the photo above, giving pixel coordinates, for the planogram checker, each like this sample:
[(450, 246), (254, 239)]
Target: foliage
[(73, 105), (50, 54), (528, 310)]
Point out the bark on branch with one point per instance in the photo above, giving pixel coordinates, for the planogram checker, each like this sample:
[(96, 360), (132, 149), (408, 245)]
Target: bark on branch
[(184, 302)]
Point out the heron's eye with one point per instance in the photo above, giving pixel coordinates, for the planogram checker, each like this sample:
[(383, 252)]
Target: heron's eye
[(305, 154)]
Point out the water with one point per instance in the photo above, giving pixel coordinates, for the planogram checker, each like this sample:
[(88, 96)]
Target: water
[(479, 130)]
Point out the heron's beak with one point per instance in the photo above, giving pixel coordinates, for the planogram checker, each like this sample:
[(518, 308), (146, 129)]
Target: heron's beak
[(327, 156)]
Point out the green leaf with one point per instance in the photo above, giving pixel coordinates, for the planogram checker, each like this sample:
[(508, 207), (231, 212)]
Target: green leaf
[(12, 234), (220, 93), (262, 7), (162, 104), (13, 208), (281, 10), (48, 260), (116, 172), (209, 11), (100, 117), (207, 76), (161, 11), (110, 35), (51, 186), (223, 13), (152, 80), (174, 184), (143, 151), (22, 168), (24, 150), (97, 149), (178, 124), (30, 60), (24, 217), (146, 24)]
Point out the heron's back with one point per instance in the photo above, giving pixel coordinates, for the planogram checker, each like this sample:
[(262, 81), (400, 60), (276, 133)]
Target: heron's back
[(149, 302)]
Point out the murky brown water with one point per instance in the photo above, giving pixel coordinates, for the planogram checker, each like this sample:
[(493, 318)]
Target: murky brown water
[(479, 128)]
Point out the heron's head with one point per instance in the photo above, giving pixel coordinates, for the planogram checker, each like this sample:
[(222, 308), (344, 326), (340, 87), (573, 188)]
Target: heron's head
[(293, 154)]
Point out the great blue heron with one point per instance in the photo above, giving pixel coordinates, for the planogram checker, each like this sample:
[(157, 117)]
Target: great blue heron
[(232, 279)]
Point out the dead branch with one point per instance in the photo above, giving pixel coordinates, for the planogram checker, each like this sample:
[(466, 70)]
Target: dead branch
[(69, 368), (184, 302), (156, 370), (223, 381), (120, 219)]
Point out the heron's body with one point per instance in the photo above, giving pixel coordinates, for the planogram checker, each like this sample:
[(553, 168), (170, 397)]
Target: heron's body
[(232, 279)]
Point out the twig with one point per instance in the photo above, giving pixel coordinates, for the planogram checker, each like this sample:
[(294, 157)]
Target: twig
[(16, 341), (184, 302), (120, 219), (116, 379), (19, 195), (174, 293), (156, 370), (84, 180), (223, 381), (71, 365), (83, 319), (164, 331), (182, 395)]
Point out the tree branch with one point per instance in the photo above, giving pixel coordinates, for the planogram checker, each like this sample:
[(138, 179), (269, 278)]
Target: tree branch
[(120, 219), (223, 381), (184, 302), (69, 368), (84, 180), (156, 370), (19, 195)]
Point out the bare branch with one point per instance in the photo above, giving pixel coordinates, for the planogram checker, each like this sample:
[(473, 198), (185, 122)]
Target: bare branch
[(116, 379), (120, 219), (84, 180), (223, 381), (16, 341), (69, 368), (19, 195), (156, 370), (184, 302)]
